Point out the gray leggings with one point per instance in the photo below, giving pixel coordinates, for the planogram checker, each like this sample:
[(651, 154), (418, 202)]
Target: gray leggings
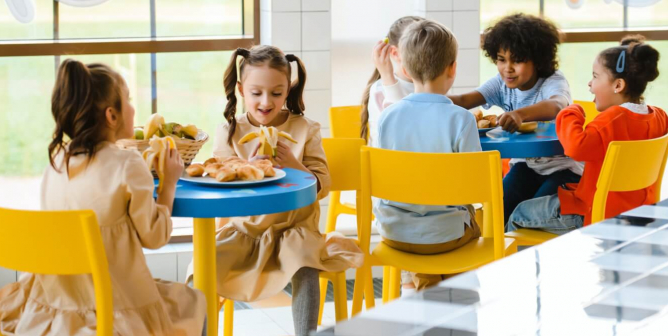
[(305, 300)]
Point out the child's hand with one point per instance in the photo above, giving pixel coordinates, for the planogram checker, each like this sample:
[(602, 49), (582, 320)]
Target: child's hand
[(255, 157), (285, 158), (510, 121), (173, 167), (381, 59)]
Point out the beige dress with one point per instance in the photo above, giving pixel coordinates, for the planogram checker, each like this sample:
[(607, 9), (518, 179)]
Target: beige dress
[(117, 186), (258, 255)]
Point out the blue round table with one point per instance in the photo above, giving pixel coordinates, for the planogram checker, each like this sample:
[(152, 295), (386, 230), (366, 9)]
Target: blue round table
[(297, 190), (542, 142)]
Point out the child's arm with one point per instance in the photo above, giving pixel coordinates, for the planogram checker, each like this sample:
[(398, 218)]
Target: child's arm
[(580, 144), (151, 220), (542, 111), (313, 159), (468, 139), (468, 100)]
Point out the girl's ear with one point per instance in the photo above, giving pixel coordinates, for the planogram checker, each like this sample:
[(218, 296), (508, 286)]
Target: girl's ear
[(394, 53), (111, 117), (240, 88), (619, 85)]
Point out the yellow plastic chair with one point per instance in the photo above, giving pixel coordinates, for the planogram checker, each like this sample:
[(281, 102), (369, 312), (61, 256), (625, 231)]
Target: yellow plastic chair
[(345, 121), (59, 243), (589, 108), (343, 160), (431, 179), (628, 166)]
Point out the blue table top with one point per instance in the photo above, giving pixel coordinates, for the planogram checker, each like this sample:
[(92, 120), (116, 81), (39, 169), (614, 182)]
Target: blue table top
[(609, 278), (542, 142), (297, 190)]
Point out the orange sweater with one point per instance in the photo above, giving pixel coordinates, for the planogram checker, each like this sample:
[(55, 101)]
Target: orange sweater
[(590, 145)]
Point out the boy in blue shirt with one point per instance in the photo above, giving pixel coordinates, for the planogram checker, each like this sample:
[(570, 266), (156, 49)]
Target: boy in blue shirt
[(427, 121)]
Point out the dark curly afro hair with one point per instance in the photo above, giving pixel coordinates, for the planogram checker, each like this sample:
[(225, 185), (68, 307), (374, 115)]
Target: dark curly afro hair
[(528, 38)]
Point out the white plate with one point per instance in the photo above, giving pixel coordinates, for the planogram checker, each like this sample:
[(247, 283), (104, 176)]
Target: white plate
[(211, 182)]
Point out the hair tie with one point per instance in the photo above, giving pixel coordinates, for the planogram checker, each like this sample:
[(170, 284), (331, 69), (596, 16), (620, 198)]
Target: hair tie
[(290, 57), (243, 52), (621, 61)]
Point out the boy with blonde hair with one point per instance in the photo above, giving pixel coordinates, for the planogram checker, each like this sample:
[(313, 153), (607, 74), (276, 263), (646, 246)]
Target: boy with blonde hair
[(427, 121)]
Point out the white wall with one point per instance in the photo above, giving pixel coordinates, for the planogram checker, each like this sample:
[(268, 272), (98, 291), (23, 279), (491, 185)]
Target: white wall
[(356, 27)]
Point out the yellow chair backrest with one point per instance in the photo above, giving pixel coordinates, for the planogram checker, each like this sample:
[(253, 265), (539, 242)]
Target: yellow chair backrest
[(345, 121), (628, 166), (435, 179), (589, 108), (62, 243), (343, 160)]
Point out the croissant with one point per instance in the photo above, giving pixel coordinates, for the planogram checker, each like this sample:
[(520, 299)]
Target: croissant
[(483, 123), (265, 166), (195, 170), (249, 173), (225, 175)]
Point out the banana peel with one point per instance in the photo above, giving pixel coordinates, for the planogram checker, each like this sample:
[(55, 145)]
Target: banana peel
[(268, 137), (157, 151), (190, 131)]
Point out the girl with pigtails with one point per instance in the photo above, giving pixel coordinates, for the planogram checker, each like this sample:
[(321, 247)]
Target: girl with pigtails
[(258, 255)]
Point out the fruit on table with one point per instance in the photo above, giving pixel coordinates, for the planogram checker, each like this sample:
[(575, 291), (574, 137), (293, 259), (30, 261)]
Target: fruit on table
[(268, 139), (157, 151), (139, 134), (154, 123)]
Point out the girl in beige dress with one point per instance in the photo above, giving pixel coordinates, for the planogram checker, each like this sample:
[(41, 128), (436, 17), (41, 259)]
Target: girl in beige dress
[(90, 105), (258, 255)]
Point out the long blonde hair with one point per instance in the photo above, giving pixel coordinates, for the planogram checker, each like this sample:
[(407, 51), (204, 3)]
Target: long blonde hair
[(396, 30)]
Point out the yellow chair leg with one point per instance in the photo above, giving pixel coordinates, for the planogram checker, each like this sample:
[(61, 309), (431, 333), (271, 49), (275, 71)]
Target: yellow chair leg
[(368, 291), (340, 297), (324, 282), (228, 324), (332, 210), (386, 284), (395, 283), (359, 289)]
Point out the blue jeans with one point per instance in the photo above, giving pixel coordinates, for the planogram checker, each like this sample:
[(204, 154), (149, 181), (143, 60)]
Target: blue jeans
[(523, 183), (543, 213)]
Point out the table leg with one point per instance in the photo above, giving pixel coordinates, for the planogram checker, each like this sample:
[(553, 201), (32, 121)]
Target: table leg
[(204, 255)]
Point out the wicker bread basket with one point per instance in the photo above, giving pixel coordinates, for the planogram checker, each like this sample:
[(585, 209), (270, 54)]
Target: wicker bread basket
[(187, 148)]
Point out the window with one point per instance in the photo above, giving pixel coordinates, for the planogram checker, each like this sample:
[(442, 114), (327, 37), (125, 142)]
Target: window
[(188, 43)]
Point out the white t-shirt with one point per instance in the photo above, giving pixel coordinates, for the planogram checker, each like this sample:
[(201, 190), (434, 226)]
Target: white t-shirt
[(496, 93), (380, 97)]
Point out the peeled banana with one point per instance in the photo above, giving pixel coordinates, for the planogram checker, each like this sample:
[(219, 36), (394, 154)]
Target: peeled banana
[(157, 151), (268, 139)]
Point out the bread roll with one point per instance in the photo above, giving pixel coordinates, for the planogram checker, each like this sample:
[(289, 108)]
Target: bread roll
[(195, 170), (266, 166), (212, 169), (210, 161), (478, 115), (483, 123), (249, 173), (225, 175), (528, 127), (493, 122)]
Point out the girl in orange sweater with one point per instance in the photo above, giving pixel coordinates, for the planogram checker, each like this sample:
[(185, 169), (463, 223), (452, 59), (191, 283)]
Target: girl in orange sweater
[(620, 76)]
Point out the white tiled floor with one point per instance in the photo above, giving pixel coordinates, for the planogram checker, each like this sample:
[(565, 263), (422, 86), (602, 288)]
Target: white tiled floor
[(274, 321)]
